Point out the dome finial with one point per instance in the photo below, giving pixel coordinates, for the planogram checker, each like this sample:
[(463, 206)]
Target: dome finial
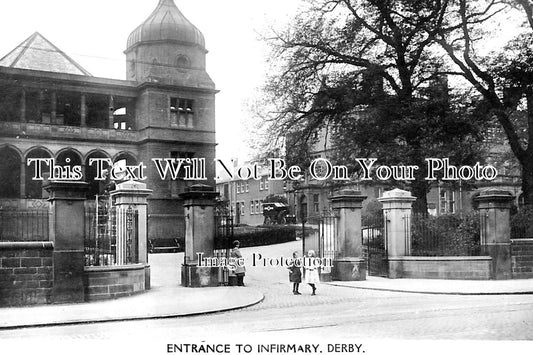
[(166, 23)]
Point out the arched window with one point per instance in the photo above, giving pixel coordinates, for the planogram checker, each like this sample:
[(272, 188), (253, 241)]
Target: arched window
[(119, 163), (9, 173), (68, 158), (130, 158), (183, 61), (95, 186), (34, 188)]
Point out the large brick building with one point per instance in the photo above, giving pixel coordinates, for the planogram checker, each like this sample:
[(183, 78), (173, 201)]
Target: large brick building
[(50, 107)]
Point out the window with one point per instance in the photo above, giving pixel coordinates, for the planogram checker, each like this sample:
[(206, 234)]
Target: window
[(181, 112), (252, 207), (263, 184), (316, 203), (257, 207), (10, 102), (183, 61), (238, 187), (247, 186), (10, 173), (447, 201), (242, 208)]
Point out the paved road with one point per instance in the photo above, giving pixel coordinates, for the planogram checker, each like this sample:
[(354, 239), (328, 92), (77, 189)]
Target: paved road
[(335, 311)]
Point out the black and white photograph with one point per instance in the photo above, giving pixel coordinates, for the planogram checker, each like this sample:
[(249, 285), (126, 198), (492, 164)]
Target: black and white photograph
[(266, 177)]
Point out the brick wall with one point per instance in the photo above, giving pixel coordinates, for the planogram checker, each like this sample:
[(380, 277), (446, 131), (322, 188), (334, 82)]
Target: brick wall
[(453, 267), (522, 258), (106, 282), (26, 273)]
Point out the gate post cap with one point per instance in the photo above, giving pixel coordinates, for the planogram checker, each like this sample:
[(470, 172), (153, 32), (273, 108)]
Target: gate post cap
[(348, 194), (396, 194), (131, 185), (494, 197), (66, 190), (347, 198), (494, 193), (200, 192)]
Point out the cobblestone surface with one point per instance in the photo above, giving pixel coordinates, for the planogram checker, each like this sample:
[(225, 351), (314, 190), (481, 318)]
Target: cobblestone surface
[(334, 312)]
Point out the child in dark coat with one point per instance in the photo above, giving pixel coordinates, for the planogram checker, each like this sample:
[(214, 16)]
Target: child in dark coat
[(295, 274)]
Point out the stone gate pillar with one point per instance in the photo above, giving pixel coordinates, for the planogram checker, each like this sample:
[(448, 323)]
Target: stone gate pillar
[(199, 205), (67, 231), (397, 206), (134, 194), (494, 210), (349, 264)]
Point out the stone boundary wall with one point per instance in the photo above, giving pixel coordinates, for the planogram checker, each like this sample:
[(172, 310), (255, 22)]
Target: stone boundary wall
[(522, 258), (441, 267), (26, 273), (107, 282)]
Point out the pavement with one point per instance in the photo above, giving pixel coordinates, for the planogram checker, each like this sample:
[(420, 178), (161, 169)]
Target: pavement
[(159, 302), (442, 287), (167, 299)]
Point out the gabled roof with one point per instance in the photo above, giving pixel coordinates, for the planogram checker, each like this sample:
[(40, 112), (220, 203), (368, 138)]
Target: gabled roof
[(38, 53)]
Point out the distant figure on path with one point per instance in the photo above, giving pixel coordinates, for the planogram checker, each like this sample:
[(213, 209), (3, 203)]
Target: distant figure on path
[(295, 274), (239, 270)]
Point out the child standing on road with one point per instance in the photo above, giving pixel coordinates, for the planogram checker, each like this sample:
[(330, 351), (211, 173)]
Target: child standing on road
[(295, 274), (311, 272)]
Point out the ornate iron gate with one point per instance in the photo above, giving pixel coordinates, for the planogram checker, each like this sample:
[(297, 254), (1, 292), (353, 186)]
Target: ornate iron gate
[(320, 236), (100, 233), (374, 240), (223, 243), (111, 234)]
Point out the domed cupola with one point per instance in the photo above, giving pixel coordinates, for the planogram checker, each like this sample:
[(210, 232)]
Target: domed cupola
[(166, 23), (168, 49)]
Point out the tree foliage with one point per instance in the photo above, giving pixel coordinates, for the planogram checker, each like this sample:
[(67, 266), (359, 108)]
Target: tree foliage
[(367, 69), (504, 78)]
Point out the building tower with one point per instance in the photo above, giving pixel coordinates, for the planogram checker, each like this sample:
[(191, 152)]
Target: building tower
[(167, 48), (166, 57)]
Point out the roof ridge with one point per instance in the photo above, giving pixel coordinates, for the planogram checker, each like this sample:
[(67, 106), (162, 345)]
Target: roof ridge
[(25, 45), (72, 61), (30, 43)]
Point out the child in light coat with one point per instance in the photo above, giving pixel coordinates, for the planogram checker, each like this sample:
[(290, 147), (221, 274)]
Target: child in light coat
[(311, 272)]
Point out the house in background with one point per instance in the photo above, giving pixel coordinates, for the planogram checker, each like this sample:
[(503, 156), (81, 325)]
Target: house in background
[(245, 197), (310, 198)]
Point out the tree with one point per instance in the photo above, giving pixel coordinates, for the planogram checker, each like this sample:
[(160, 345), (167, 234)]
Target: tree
[(364, 67), (504, 79)]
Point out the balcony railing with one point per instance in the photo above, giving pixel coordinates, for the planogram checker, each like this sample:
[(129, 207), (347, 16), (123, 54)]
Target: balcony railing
[(54, 131)]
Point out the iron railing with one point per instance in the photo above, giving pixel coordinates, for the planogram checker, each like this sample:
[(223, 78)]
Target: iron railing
[(446, 235), (374, 241), (522, 224), (223, 244), (100, 238), (24, 225)]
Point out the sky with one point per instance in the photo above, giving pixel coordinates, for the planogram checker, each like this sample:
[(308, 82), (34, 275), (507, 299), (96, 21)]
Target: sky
[(94, 34)]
